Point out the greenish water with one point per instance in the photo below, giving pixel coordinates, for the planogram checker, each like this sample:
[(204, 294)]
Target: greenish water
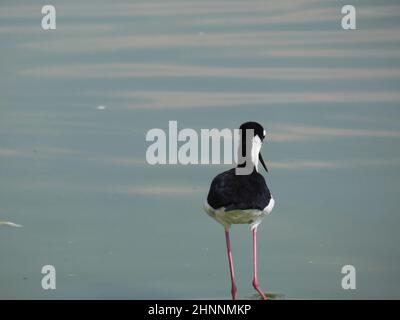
[(115, 227)]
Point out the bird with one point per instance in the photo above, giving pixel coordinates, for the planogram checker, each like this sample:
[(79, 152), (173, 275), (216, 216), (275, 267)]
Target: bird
[(237, 196)]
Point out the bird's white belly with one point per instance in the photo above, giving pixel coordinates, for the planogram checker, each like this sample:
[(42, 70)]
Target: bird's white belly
[(248, 216)]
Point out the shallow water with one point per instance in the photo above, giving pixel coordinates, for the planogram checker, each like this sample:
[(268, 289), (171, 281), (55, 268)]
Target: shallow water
[(74, 174)]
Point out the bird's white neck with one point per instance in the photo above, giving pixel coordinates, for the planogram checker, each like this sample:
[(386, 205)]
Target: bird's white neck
[(255, 149)]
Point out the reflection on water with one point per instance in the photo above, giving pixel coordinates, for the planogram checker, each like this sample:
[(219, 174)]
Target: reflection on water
[(270, 296), (76, 103)]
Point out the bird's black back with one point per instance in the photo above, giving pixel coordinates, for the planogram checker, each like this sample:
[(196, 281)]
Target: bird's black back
[(238, 192)]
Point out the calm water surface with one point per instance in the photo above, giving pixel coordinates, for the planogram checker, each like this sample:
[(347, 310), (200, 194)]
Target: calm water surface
[(115, 227)]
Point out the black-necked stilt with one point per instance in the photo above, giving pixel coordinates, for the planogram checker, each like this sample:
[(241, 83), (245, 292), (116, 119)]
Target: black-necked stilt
[(237, 199)]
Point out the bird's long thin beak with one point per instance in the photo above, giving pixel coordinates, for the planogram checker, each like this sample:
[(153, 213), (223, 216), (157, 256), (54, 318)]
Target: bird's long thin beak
[(262, 161)]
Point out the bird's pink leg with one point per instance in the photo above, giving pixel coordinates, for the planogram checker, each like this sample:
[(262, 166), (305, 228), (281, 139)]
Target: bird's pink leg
[(228, 248), (255, 278)]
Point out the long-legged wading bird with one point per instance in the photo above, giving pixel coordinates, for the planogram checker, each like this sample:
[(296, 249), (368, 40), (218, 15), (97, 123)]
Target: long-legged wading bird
[(242, 197)]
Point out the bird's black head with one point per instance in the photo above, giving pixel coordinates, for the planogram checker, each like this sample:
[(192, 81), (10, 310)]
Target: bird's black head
[(257, 128), (258, 134)]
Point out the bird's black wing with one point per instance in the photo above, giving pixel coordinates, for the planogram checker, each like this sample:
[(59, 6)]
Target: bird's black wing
[(238, 192)]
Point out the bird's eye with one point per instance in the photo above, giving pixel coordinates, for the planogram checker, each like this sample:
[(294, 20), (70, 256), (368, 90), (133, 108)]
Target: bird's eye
[(264, 133)]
